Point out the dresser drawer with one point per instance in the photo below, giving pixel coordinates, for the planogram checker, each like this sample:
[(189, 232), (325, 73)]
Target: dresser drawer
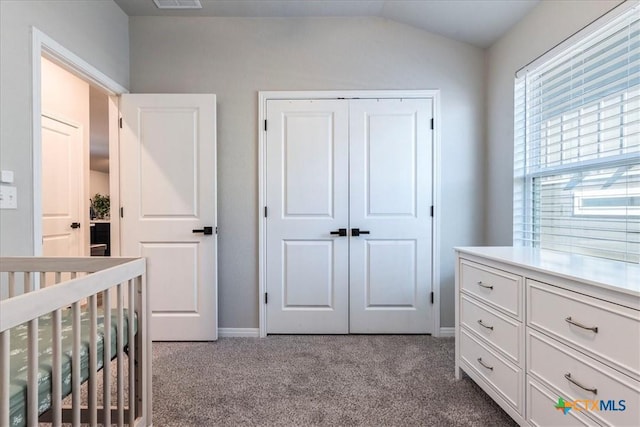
[(498, 329), (615, 336), (571, 373), (497, 288), (506, 378), (542, 411)]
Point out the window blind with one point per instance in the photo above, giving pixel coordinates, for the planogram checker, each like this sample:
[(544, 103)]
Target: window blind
[(577, 146)]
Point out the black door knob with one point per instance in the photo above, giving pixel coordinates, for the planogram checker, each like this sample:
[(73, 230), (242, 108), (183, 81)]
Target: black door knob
[(205, 230), (75, 225)]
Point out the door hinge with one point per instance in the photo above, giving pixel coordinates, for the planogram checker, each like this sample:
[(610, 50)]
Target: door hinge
[(216, 230), (432, 124), (432, 297), (265, 125), (266, 297), (265, 211), (431, 210), (121, 212), (120, 121)]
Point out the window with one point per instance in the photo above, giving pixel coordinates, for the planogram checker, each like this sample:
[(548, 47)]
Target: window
[(577, 146)]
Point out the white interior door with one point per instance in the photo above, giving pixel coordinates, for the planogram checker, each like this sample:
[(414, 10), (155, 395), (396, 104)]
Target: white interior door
[(168, 192), (307, 199), (62, 178), (390, 187), (356, 165)]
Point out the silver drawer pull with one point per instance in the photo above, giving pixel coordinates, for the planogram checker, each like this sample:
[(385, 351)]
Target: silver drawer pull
[(579, 325), (571, 380), (484, 364), (483, 325), (482, 285)]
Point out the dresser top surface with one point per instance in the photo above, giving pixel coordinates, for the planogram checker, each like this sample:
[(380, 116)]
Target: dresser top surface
[(614, 275)]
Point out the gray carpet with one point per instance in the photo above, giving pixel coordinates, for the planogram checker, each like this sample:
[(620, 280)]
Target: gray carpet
[(368, 380)]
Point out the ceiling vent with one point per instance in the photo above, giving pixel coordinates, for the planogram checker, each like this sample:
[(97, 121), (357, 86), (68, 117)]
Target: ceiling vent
[(178, 4)]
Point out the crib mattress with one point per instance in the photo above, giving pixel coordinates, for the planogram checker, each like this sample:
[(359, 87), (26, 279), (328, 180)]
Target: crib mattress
[(19, 360)]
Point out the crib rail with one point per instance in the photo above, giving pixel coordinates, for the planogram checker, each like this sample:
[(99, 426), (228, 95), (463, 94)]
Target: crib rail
[(119, 283), (61, 264)]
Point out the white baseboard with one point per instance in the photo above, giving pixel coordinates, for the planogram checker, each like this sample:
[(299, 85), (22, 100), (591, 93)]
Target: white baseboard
[(238, 332), (447, 332)]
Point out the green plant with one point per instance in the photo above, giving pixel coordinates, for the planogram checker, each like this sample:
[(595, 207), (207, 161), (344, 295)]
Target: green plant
[(101, 205)]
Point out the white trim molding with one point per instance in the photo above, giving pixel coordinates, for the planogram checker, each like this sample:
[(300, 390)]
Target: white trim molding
[(434, 95), (447, 332), (43, 45), (239, 332)]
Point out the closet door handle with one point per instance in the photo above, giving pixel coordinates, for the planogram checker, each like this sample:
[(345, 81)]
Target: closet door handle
[(75, 225), (355, 232), (339, 232)]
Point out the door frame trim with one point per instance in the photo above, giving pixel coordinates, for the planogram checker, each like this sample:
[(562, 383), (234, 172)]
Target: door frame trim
[(263, 97), (43, 45)]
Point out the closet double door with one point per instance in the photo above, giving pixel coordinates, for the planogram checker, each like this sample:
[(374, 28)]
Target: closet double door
[(348, 225)]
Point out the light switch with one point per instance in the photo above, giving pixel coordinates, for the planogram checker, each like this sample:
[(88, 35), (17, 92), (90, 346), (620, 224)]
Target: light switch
[(6, 177), (8, 197)]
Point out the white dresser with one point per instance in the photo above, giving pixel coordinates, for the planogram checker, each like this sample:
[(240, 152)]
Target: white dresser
[(533, 326)]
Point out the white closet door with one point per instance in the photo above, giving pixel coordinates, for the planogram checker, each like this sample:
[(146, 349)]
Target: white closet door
[(391, 197), (168, 193), (307, 199)]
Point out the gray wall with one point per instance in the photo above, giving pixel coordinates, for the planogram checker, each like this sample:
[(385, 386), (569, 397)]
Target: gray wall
[(545, 26), (98, 32), (236, 57)]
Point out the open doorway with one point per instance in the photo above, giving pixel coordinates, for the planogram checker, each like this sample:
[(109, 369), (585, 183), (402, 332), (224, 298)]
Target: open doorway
[(43, 47), (75, 165), (65, 148)]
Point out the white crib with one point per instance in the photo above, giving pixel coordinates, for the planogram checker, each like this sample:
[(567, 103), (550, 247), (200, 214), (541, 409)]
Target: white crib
[(65, 325)]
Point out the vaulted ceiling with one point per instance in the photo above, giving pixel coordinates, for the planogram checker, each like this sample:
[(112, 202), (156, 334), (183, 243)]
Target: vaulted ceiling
[(478, 22)]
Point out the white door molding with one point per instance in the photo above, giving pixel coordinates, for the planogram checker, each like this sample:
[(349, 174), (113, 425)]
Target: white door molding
[(264, 96), (43, 45)]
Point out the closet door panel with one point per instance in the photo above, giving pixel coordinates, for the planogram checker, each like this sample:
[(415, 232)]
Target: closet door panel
[(307, 199), (390, 198)]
